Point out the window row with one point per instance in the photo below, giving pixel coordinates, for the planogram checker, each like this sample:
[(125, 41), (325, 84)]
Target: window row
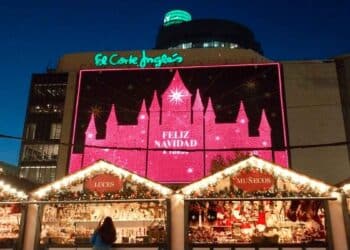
[(211, 44), (38, 174), (57, 90), (46, 108), (55, 131), (40, 152)]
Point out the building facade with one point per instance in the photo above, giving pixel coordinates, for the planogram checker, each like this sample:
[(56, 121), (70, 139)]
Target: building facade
[(176, 109), (43, 125), (313, 97)]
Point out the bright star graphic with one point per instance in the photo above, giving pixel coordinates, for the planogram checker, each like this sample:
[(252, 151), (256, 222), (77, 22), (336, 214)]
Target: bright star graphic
[(176, 96)]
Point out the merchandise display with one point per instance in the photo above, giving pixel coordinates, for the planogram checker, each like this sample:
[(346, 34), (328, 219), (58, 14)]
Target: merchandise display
[(74, 206), (73, 224), (10, 213), (256, 202), (267, 221), (9, 223), (346, 191)]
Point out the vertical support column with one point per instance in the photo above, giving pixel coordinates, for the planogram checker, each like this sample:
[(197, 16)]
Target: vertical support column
[(30, 226), (337, 223), (346, 217), (177, 222), (67, 123)]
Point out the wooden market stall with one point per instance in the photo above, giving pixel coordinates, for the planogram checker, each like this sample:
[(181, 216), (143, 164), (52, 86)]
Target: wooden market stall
[(255, 204), (66, 212), (345, 189), (12, 212)]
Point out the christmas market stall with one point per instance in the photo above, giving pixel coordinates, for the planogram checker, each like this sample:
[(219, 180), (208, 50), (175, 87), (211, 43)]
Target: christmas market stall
[(255, 204), (345, 189), (68, 210), (12, 213)]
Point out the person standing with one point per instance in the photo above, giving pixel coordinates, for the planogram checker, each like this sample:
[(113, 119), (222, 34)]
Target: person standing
[(104, 235)]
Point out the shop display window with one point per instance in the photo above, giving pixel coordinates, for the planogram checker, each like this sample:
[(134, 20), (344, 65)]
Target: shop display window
[(71, 208), (10, 213), (10, 220), (141, 222), (256, 221), (257, 203)]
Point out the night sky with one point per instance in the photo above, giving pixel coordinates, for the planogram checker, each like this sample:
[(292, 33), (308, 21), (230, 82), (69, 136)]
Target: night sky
[(34, 34)]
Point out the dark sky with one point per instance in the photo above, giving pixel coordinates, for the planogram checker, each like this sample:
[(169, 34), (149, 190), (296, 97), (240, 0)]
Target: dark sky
[(34, 34)]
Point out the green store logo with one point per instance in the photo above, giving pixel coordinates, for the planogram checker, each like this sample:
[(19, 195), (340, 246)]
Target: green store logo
[(102, 60)]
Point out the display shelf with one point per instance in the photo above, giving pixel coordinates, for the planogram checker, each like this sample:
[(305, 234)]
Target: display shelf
[(255, 222), (73, 224)]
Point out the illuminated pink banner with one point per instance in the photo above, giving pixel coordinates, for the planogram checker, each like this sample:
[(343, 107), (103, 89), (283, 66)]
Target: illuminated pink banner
[(175, 138)]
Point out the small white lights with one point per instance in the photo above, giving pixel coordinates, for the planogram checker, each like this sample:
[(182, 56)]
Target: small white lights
[(242, 121), (7, 189), (294, 179), (98, 167)]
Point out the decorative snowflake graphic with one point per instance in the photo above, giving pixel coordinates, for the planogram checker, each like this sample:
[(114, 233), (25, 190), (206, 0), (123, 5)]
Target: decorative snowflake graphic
[(176, 96)]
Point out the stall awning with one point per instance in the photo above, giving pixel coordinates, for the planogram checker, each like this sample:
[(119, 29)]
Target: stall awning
[(10, 192), (101, 181), (254, 178)]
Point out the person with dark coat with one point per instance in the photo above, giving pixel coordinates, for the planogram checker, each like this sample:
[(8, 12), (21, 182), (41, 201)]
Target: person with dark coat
[(104, 235)]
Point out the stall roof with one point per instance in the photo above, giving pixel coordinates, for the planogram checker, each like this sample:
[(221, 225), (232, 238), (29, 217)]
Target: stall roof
[(13, 189), (278, 172), (97, 168)]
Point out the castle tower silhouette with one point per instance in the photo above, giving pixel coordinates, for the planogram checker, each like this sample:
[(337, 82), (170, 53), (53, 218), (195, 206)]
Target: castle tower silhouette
[(173, 142)]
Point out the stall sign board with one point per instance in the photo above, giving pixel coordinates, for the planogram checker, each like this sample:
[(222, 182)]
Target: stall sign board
[(253, 180), (103, 183)]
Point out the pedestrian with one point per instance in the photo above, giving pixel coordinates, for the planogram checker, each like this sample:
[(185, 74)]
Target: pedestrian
[(104, 235)]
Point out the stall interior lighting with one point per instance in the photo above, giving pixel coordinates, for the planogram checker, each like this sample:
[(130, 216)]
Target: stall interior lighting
[(275, 170), (7, 189), (98, 167), (346, 189)]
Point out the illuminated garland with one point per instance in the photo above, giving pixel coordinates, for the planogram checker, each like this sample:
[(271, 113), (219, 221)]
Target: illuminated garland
[(8, 193), (287, 183), (227, 193), (346, 189), (134, 186), (130, 190)]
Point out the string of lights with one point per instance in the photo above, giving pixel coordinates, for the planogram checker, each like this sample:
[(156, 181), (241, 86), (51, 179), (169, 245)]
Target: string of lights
[(303, 146)]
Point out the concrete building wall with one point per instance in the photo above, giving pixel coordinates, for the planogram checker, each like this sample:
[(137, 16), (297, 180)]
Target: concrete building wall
[(67, 125), (313, 102), (314, 115)]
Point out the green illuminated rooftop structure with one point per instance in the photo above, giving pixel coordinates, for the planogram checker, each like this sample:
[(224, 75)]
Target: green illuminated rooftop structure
[(176, 16)]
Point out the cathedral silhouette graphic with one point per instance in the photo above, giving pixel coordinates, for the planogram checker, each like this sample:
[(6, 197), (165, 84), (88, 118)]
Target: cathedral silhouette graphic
[(174, 141)]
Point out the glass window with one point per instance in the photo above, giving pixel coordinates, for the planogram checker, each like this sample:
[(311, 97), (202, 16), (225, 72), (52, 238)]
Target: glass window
[(55, 131), (233, 46), (46, 108), (30, 131), (38, 174), (50, 90), (40, 152)]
